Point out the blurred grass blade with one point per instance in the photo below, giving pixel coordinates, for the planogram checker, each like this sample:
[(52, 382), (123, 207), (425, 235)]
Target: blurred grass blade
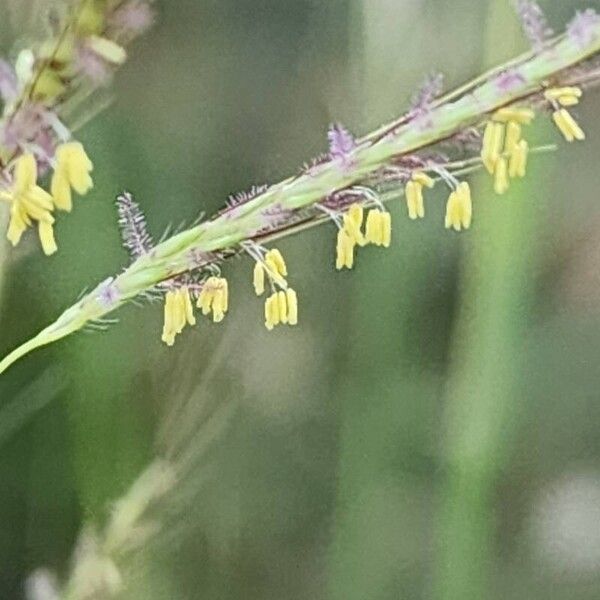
[(28, 403)]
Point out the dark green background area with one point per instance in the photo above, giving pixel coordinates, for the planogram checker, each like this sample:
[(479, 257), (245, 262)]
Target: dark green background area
[(431, 430)]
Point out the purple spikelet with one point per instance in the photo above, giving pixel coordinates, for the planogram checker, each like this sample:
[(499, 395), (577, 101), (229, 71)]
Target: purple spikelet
[(430, 89), (533, 22), (583, 29), (341, 143), (132, 224)]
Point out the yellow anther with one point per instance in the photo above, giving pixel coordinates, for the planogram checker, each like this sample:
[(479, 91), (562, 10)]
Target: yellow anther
[(272, 314), (259, 279), (292, 306), (423, 179), (46, 234), (178, 312), (214, 297), (493, 138), (110, 51), (379, 228), (518, 160), (374, 231), (73, 168), (513, 136), (501, 181), (386, 229), (282, 305), (414, 202), (29, 202), (276, 263), (459, 208), (353, 223), (344, 250), (558, 93), (523, 116), (568, 126)]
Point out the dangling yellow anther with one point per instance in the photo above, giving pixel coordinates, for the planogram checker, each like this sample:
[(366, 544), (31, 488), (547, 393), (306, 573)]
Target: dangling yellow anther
[(259, 279), (414, 194), (177, 313), (214, 297), (423, 179), (414, 201), (491, 149), (353, 220), (523, 116), (73, 168), (344, 250), (272, 315), (518, 160), (292, 306), (379, 228), (562, 92), (274, 260), (513, 136), (281, 308), (29, 202), (501, 181), (459, 209), (567, 125)]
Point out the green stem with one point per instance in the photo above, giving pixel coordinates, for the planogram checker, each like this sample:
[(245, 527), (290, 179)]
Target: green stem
[(177, 254)]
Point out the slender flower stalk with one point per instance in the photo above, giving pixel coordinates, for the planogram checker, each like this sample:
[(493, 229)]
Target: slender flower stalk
[(364, 172)]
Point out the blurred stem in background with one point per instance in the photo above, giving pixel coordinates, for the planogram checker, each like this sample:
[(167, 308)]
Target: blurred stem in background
[(483, 386)]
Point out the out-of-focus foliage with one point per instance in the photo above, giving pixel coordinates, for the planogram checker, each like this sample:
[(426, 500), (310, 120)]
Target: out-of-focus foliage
[(319, 462)]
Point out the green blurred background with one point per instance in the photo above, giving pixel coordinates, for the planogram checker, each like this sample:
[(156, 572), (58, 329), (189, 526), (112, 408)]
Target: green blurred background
[(430, 431)]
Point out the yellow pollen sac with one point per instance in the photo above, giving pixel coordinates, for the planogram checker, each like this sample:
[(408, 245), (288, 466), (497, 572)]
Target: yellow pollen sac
[(558, 93), (414, 202), (178, 312), (501, 181), (107, 49), (459, 208), (275, 262), (29, 203), (513, 136), (344, 250), (73, 168), (214, 297), (518, 160), (259, 279), (493, 138), (379, 228), (353, 220), (423, 179), (283, 307), (386, 228), (568, 126), (46, 234), (292, 306), (523, 116), (272, 314)]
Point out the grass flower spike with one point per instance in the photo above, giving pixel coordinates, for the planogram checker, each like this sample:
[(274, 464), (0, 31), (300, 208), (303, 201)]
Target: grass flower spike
[(446, 137), (72, 171), (29, 202)]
